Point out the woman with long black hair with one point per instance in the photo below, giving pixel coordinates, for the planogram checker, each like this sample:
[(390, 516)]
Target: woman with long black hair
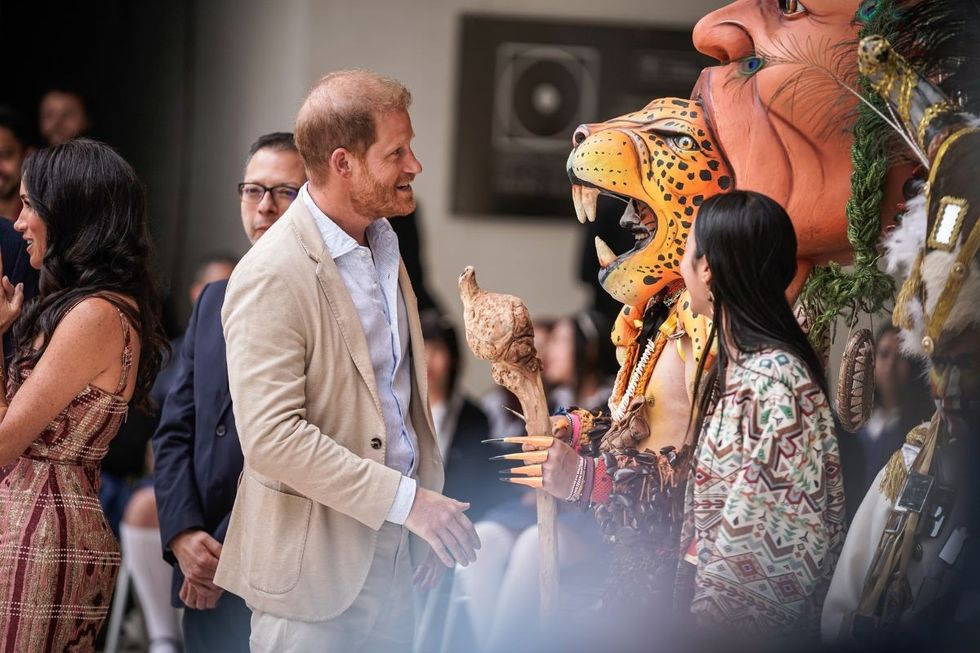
[(88, 345), (767, 504)]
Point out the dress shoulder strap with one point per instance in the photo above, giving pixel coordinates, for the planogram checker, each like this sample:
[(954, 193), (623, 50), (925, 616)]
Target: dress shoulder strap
[(127, 352)]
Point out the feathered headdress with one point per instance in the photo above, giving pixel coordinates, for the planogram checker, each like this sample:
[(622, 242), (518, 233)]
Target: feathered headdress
[(938, 38), (928, 77)]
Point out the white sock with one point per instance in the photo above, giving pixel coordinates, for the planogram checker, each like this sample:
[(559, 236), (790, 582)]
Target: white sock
[(141, 553)]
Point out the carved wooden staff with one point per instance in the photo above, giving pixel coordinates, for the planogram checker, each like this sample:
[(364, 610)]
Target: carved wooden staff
[(499, 330)]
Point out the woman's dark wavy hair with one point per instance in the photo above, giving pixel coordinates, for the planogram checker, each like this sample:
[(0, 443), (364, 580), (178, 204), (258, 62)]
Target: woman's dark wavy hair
[(750, 246), (98, 244)]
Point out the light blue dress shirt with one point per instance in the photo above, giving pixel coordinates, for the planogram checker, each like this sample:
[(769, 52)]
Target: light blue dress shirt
[(371, 276)]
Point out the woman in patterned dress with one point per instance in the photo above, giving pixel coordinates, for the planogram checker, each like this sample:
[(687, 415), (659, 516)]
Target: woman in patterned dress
[(765, 513), (89, 344)]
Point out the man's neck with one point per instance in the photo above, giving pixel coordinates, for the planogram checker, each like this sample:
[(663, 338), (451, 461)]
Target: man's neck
[(10, 208), (340, 211)]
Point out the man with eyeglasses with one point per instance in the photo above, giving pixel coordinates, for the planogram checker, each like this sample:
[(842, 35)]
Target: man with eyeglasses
[(197, 455)]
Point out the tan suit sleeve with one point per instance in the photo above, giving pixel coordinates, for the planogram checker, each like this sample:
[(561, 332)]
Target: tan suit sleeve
[(863, 537), (265, 330)]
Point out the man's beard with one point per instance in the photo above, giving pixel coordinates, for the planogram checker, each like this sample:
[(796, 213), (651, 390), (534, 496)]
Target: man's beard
[(375, 200)]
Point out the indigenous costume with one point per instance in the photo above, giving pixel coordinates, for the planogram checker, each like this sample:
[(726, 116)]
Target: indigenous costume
[(636, 487), (903, 567), (58, 555)]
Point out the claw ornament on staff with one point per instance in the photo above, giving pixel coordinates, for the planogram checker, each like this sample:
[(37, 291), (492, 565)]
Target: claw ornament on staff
[(499, 330)]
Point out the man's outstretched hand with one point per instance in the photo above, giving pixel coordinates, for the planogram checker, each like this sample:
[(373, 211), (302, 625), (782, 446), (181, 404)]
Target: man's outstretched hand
[(440, 521)]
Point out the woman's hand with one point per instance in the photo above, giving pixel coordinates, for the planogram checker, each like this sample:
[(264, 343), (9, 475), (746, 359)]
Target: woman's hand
[(10, 303)]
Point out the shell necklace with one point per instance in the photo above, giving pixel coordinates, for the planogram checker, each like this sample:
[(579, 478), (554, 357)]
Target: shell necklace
[(618, 410)]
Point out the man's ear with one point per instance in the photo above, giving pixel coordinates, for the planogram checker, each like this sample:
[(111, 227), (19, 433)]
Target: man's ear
[(341, 162)]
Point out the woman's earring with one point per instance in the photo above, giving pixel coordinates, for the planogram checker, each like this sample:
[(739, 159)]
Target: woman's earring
[(711, 297)]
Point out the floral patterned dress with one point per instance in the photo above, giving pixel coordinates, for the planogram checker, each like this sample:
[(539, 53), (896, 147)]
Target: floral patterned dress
[(58, 557), (767, 500)]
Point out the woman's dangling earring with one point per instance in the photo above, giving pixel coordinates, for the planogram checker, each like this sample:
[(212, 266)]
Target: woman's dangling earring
[(711, 299)]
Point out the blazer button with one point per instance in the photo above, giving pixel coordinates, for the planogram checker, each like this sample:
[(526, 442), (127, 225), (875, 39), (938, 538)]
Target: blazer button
[(375, 443), (220, 430)]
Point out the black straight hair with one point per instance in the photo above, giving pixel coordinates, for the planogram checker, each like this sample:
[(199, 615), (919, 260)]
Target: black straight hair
[(278, 141), (750, 246), (439, 328), (94, 209)]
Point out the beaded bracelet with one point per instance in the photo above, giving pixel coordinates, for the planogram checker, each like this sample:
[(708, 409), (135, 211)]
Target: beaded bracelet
[(576, 428), (585, 501), (579, 483)]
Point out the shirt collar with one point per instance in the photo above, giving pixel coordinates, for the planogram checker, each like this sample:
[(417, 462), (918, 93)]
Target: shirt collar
[(337, 241), (380, 236)]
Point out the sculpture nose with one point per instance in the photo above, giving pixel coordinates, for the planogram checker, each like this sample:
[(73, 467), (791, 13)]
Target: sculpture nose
[(581, 133), (726, 34)]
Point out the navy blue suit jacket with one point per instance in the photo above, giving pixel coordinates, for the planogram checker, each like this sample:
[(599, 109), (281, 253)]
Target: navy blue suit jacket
[(196, 453)]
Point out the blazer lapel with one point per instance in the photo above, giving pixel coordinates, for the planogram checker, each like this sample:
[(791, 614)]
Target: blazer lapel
[(338, 297)]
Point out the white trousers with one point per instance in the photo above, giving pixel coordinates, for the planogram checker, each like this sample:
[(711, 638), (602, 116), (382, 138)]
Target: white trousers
[(381, 619)]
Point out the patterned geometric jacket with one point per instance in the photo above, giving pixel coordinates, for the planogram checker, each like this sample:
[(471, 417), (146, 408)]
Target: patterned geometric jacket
[(767, 504)]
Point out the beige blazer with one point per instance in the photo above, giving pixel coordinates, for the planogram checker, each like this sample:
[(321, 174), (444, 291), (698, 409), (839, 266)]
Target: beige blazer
[(314, 492)]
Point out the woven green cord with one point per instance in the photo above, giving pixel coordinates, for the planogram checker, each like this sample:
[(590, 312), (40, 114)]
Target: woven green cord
[(830, 290)]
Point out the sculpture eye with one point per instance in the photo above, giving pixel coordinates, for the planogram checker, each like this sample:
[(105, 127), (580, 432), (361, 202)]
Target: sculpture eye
[(682, 142), (750, 65), (791, 7)]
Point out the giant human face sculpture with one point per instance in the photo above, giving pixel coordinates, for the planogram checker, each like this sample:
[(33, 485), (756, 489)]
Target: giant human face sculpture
[(780, 118)]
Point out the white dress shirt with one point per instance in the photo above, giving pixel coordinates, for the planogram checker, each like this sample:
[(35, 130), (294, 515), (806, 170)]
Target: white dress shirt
[(371, 276)]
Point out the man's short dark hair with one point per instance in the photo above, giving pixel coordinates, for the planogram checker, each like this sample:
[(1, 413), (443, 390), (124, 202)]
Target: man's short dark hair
[(10, 119), (279, 141)]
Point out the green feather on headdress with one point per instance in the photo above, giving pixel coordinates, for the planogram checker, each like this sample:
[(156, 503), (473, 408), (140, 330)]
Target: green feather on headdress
[(831, 290)]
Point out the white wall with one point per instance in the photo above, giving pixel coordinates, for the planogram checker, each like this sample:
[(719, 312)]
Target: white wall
[(256, 60)]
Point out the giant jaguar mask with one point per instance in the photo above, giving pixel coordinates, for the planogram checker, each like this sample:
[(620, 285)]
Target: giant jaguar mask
[(662, 162)]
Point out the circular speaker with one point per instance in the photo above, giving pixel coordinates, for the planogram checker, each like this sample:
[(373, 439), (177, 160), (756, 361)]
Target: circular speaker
[(546, 98)]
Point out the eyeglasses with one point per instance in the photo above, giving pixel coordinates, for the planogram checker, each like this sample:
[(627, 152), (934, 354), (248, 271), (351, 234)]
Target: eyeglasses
[(253, 193)]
